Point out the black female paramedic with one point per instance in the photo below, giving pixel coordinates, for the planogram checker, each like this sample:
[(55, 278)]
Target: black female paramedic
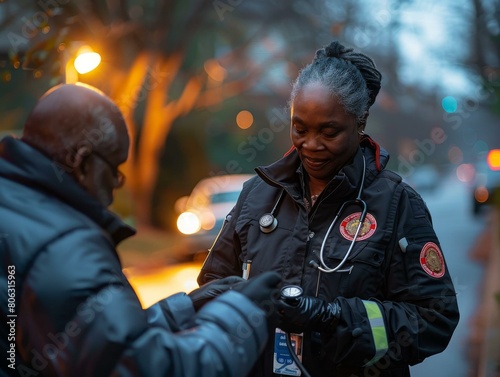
[(377, 293)]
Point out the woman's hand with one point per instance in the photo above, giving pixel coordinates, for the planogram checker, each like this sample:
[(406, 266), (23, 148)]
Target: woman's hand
[(307, 314)]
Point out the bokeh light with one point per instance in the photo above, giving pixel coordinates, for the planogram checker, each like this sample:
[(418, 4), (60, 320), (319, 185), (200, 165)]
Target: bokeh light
[(188, 223), (438, 135), (493, 159), (207, 220), (480, 147), (87, 61), (449, 104), (481, 194), (244, 119), (465, 173), (455, 155), (6, 76)]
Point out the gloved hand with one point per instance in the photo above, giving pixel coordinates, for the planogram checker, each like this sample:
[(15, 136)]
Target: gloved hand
[(262, 289), (308, 314), (212, 289)]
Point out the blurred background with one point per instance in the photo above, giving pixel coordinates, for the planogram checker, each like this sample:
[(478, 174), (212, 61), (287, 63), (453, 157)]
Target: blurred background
[(204, 87)]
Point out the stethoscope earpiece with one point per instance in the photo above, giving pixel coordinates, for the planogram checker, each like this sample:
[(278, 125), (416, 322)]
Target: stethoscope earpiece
[(268, 223)]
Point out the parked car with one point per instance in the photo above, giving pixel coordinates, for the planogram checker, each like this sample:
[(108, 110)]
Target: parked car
[(204, 210), (486, 181)]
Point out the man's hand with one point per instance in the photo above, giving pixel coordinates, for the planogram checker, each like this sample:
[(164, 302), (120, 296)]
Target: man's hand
[(262, 289), (212, 289), (308, 314)]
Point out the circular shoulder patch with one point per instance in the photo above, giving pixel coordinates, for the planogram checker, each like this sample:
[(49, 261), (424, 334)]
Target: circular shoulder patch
[(349, 225), (431, 260)]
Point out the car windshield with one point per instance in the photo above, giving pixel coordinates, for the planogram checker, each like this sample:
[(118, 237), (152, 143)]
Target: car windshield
[(224, 197)]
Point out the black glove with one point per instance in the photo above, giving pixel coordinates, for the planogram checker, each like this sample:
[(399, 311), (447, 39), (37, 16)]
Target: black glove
[(308, 314), (262, 289), (212, 289)]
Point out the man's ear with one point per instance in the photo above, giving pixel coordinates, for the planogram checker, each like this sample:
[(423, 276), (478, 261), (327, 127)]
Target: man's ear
[(79, 171)]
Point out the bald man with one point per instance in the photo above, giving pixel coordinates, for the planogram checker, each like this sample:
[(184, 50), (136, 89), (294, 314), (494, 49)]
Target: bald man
[(68, 310), (82, 131)]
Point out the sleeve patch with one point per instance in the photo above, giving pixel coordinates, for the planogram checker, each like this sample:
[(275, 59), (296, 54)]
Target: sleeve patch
[(432, 261)]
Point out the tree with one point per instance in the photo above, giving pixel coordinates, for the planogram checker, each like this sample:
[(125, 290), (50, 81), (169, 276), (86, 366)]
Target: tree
[(485, 47), (162, 59)]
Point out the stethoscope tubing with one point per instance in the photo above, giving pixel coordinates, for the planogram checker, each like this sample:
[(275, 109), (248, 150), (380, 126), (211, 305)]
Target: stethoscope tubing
[(271, 225), (324, 267), (364, 209)]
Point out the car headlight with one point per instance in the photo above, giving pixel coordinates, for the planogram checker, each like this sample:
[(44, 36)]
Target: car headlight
[(188, 223)]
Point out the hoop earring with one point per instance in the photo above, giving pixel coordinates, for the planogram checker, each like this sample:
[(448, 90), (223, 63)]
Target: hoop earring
[(361, 133)]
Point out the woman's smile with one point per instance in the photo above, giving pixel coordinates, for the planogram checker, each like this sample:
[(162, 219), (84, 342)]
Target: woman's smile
[(324, 134), (314, 164)]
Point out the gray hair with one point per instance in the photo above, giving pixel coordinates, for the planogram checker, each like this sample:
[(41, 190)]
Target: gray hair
[(350, 76)]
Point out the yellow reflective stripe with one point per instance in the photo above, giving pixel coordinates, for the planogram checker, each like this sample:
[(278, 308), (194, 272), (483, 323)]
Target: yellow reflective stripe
[(378, 331)]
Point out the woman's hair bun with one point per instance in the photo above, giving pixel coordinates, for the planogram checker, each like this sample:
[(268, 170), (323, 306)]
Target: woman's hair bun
[(333, 50), (363, 63), (336, 50)]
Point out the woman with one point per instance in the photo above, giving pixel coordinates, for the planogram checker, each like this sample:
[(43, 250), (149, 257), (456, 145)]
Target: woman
[(377, 295)]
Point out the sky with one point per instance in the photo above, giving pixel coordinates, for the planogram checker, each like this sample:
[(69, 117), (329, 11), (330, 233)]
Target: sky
[(432, 42)]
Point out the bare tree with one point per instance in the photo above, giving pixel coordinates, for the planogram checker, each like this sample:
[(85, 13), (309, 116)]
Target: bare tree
[(161, 59)]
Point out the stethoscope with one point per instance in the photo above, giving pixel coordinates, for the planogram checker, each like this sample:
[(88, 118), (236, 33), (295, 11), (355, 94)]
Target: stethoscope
[(268, 222), (356, 201)]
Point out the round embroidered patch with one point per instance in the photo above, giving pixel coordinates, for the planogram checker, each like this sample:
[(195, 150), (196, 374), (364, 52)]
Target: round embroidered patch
[(432, 260), (349, 225)]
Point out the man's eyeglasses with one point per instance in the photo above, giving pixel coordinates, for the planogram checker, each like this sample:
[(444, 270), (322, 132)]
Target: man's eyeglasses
[(119, 176)]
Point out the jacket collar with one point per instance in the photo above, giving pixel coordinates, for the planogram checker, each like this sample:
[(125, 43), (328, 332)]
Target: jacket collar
[(24, 164)]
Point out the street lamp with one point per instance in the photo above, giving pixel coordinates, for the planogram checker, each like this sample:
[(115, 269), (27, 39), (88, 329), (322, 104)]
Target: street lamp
[(85, 61)]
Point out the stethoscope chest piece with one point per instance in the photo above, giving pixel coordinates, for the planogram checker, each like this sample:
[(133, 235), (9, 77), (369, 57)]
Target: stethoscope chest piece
[(268, 223)]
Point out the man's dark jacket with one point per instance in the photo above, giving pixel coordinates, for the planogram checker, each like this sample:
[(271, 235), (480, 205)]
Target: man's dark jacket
[(67, 308)]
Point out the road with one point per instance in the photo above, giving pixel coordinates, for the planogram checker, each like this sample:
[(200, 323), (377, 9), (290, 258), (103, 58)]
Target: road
[(459, 232)]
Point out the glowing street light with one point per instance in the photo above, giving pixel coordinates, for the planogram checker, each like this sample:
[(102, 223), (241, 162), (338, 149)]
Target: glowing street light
[(85, 61)]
